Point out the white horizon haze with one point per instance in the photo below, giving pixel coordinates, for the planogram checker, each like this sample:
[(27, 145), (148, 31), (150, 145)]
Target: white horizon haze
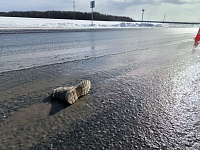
[(159, 10)]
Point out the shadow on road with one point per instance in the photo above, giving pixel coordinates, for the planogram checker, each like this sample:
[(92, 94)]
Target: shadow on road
[(56, 105)]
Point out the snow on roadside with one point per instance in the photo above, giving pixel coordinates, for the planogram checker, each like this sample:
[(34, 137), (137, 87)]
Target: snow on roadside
[(45, 23)]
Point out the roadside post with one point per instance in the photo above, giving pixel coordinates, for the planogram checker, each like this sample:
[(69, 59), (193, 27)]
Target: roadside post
[(92, 5), (142, 16)]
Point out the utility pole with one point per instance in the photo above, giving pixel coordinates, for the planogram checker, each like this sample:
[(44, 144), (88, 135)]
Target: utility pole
[(92, 5), (74, 9), (164, 17), (49, 14)]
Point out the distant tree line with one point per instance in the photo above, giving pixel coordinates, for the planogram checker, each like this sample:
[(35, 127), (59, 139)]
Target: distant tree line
[(65, 15)]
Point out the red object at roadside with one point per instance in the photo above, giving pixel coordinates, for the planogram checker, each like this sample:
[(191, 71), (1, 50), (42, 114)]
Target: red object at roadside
[(197, 39)]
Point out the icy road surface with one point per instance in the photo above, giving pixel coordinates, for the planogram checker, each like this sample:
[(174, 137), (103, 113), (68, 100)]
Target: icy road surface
[(145, 89)]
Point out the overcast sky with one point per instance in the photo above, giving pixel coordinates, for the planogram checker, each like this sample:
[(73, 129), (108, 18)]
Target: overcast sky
[(173, 10)]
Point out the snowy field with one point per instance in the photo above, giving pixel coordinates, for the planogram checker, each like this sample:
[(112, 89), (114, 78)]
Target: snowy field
[(43, 23), (20, 22)]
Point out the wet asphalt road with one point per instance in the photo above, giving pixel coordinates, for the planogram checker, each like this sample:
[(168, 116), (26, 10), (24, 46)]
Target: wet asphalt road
[(145, 89)]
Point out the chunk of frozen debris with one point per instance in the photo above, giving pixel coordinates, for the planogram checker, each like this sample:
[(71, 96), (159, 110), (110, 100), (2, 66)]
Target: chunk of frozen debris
[(71, 94)]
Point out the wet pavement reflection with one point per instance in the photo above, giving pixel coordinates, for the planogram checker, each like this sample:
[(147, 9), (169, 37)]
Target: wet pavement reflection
[(145, 94)]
